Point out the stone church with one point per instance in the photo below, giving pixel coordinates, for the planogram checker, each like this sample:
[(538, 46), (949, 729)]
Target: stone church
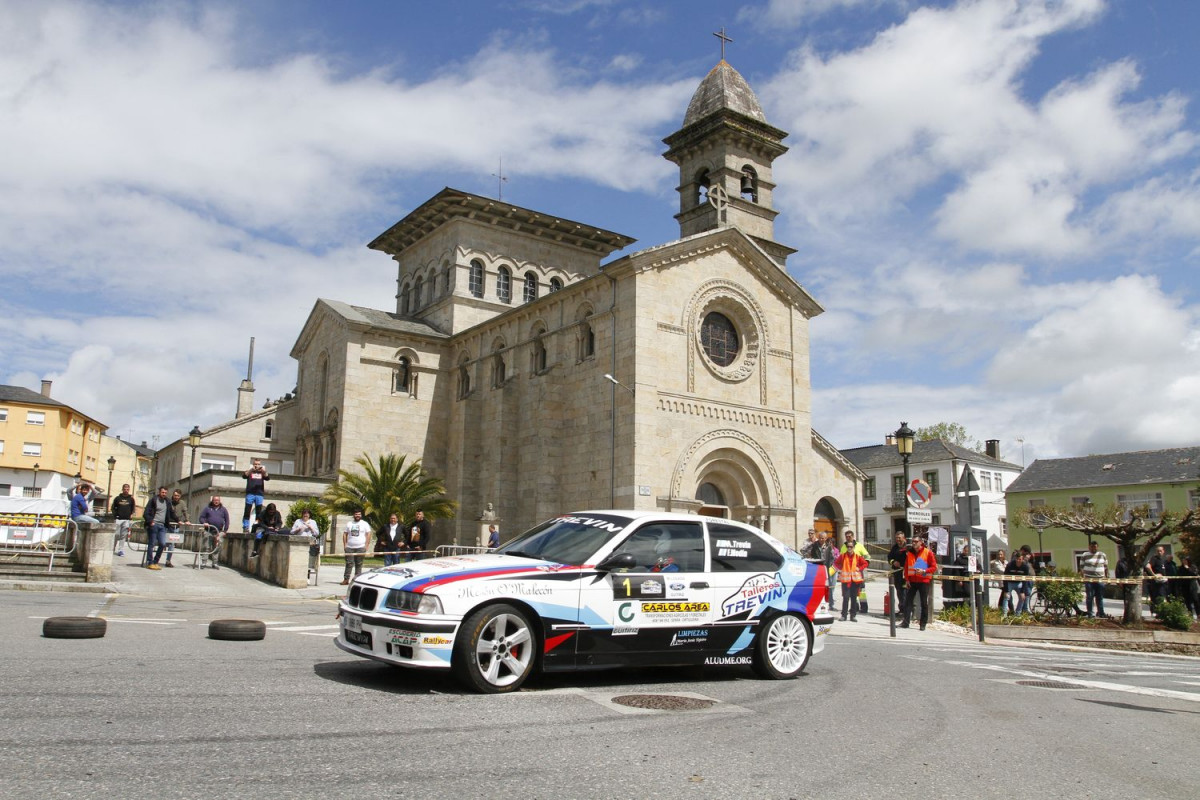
[(529, 373)]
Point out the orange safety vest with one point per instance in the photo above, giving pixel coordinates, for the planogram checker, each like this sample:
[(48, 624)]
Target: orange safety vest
[(928, 564), (850, 566)]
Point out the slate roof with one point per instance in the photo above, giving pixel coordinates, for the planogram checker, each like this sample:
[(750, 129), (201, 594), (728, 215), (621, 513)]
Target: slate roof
[(723, 88), (1177, 465), (383, 319), (19, 394), (884, 456)]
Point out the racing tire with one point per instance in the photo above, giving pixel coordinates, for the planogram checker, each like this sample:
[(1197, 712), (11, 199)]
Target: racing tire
[(74, 627), (237, 630), (782, 647), (495, 650)]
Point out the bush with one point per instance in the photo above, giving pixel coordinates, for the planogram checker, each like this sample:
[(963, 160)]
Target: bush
[(1174, 614), (1063, 596), (314, 507)]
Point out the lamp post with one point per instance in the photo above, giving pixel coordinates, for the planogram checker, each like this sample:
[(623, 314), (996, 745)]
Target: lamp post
[(904, 445), (35, 472), (193, 441), (112, 464), (612, 460)]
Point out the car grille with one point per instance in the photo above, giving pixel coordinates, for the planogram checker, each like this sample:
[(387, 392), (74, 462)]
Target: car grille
[(364, 597)]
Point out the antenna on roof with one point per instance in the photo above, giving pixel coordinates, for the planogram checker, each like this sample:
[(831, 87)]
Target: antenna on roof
[(501, 179)]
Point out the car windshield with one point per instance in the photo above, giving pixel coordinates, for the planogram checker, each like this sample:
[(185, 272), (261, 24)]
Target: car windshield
[(566, 540)]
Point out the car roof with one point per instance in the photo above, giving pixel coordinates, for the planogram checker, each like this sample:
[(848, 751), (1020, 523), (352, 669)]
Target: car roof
[(670, 516)]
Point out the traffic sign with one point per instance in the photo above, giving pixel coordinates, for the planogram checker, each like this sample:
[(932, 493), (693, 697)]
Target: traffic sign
[(967, 482), (918, 493), (919, 516)]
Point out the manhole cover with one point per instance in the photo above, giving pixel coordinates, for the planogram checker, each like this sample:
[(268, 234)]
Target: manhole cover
[(1048, 684), (663, 702)]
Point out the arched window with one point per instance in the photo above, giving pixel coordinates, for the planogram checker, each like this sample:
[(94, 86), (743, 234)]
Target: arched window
[(702, 185), (710, 495), (504, 285), (405, 299), (403, 375), (418, 294), (587, 341), (555, 284), (447, 277), (464, 378), (323, 384), (538, 359), (531, 288), (499, 370), (475, 284), (269, 429), (749, 184)]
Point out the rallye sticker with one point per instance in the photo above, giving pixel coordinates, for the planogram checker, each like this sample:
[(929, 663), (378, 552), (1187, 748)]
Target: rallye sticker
[(626, 586), (685, 637), (674, 612), (757, 590), (732, 548), (408, 638)]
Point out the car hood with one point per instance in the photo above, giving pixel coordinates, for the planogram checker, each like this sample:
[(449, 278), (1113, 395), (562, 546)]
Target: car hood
[(426, 575)]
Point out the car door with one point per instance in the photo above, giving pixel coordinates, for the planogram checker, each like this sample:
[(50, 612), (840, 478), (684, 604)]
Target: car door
[(744, 570), (659, 610)]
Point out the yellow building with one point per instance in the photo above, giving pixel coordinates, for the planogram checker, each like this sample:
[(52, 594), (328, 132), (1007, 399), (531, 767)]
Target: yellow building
[(121, 463), (45, 445)]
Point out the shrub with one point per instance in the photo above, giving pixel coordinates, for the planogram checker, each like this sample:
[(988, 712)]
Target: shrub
[(1174, 614), (314, 507), (1063, 596)]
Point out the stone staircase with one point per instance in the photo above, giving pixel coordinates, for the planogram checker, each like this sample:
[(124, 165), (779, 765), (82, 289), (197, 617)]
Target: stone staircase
[(26, 566)]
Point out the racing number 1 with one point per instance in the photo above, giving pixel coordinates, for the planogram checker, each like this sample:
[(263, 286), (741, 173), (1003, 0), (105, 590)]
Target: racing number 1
[(628, 588)]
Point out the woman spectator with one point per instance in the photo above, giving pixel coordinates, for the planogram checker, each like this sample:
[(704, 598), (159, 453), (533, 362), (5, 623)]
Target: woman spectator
[(270, 522), (997, 567)]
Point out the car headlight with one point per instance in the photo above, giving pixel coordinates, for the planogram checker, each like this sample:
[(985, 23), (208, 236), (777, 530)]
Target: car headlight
[(400, 600), (430, 604)]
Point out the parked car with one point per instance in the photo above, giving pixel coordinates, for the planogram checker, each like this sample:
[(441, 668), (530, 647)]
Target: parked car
[(596, 589)]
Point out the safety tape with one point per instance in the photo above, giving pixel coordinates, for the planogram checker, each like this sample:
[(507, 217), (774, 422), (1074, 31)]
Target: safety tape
[(1000, 578)]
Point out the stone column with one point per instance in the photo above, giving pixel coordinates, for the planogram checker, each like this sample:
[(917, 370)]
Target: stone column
[(95, 551)]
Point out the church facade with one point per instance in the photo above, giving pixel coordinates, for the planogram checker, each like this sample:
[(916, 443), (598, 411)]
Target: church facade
[(531, 375)]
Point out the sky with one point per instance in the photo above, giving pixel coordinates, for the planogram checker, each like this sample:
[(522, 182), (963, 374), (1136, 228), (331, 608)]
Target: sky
[(997, 202)]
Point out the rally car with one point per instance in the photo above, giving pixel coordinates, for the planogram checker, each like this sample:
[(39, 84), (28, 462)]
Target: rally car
[(596, 589)]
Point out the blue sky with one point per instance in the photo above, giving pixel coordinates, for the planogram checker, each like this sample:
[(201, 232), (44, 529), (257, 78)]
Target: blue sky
[(997, 202)]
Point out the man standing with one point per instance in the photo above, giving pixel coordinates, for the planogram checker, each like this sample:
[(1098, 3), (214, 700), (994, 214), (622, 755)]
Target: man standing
[(79, 506), (158, 515), (493, 537), (852, 562), (123, 506), (418, 535), (1156, 569), (181, 515), (1094, 566), (354, 541), (256, 478), (920, 564), (389, 540), (215, 518), (896, 562)]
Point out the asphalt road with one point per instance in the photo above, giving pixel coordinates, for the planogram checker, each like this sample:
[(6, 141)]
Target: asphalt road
[(155, 709)]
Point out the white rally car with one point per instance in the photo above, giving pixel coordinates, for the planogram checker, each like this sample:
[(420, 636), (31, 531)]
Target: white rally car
[(591, 590)]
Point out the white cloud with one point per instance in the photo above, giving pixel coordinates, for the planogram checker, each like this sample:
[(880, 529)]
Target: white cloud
[(790, 13)]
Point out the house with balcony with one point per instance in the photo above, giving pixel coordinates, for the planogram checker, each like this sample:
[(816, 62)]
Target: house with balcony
[(1159, 479), (941, 465), (46, 446)]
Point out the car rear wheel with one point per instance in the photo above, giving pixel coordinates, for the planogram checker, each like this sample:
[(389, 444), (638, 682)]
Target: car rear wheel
[(495, 649), (782, 647)]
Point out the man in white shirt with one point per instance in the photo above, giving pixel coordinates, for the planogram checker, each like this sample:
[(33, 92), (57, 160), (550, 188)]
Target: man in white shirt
[(354, 541), (1094, 566)]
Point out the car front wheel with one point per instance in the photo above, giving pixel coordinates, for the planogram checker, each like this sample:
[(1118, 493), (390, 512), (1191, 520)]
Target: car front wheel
[(782, 647), (495, 649)]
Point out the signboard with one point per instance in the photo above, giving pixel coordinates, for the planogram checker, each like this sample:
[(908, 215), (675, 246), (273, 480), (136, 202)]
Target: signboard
[(919, 516), (967, 482), (918, 493)]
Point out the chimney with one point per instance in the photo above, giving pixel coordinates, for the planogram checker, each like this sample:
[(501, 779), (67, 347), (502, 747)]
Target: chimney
[(889, 440), (45, 388), (992, 448)]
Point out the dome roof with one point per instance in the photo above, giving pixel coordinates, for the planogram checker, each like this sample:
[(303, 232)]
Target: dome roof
[(723, 87)]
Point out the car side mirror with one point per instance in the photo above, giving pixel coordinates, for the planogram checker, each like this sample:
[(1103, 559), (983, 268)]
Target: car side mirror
[(617, 561)]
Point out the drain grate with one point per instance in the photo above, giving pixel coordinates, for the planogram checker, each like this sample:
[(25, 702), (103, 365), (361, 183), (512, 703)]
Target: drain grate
[(1049, 684), (664, 702)]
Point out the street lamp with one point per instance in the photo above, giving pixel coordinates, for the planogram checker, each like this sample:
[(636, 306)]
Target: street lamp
[(35, 472), (112, 464), (904, 436), (612, 429), (194, 441)]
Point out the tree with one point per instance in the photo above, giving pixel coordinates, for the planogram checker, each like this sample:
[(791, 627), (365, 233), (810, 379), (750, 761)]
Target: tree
[(950, 432), (385, 487), (1135, 532)]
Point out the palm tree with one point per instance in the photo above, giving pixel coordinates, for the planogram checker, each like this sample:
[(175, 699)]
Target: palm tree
[(385, 487)]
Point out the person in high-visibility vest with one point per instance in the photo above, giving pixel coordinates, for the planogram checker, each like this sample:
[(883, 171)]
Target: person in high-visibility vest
[(852, 562), (919, 565)]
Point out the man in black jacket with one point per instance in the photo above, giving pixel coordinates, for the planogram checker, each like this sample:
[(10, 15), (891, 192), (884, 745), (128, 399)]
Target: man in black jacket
[(123, 506), (418, 535), (159, 515)]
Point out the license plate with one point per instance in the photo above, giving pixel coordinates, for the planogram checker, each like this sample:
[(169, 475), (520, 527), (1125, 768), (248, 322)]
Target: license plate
[(359, 638), (354, 623)]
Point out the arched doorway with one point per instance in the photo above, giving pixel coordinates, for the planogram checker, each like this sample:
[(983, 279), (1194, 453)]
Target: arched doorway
[(712, 501), (827, 516)]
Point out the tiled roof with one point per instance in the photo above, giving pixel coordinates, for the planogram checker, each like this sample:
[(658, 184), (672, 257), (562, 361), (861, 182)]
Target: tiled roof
[(884, 456), (1177, 465), (19, 394)]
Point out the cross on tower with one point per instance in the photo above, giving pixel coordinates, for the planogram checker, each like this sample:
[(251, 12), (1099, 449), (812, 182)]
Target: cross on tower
[(721, 35)]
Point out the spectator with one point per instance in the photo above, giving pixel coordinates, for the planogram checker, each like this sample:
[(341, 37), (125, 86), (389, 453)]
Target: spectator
[(389, 540), (123, 507), (270, 522), (215, 518), (256, 478), (958, 591), (80, 506), (493, 537), (181, 515), (305, 525), (1190, 586), (1019, 566), (418, 537), (852, 561), (354, 541), (920, 564), (1156, 570), (1094, 567), (811, 546), (896, 562), (998, 566), (158, 515)]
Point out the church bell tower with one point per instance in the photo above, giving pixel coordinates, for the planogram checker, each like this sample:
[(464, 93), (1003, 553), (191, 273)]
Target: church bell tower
[(724, 152)]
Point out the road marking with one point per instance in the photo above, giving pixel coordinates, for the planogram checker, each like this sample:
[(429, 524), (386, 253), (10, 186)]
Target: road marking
[(302, 628)]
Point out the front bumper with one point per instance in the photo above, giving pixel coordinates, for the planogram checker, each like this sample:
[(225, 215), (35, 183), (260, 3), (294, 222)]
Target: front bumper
[(397, 639)]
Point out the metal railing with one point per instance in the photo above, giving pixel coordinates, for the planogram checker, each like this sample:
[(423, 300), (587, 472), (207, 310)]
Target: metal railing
[(61, 544)]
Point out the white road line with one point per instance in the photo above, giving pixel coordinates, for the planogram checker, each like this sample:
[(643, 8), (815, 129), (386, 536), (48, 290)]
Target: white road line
[(302, 628), (326, 635)]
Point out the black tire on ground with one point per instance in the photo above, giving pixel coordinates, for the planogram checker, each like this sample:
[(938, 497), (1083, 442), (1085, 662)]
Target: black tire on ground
[(74, 627), (495, 650), (782, 647), (237, 630)]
